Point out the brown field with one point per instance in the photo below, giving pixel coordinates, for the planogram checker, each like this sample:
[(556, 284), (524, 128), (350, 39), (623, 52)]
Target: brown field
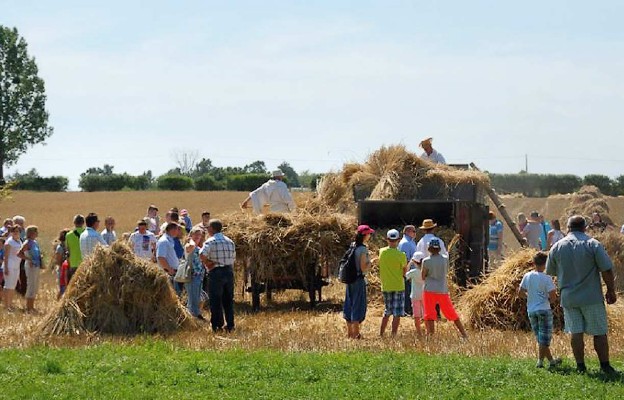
[(284, 324)]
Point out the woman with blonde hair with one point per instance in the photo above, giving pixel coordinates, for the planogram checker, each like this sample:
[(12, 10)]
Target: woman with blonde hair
[(31, 252), (194, 243)]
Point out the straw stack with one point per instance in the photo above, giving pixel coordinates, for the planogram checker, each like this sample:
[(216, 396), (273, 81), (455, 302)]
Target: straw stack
[(115, 292)]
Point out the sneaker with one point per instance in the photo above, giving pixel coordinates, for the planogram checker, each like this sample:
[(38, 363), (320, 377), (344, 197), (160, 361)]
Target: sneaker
[(539, 364), (555, 362)]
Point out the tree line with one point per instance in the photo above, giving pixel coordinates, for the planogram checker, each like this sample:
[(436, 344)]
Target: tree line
[(542, 185)]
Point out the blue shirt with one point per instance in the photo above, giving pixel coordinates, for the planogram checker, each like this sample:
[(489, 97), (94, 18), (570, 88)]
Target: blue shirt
[(407, 246), (495, 231), (544, 233), (166, 250), (576, 261)]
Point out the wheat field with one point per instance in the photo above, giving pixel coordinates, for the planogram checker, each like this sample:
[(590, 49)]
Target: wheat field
[(285, 323)]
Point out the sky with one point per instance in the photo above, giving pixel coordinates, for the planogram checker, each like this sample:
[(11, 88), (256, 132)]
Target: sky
[(322, 83)]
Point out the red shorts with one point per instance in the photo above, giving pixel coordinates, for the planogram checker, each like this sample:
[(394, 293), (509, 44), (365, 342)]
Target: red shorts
[(430, 299)]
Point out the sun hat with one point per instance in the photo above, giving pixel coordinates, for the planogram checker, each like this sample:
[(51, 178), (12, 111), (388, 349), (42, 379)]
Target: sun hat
[(418, 256), (277, 173), (393, 234), (365, 229), (428, 224), (425, 141), (434, 244)]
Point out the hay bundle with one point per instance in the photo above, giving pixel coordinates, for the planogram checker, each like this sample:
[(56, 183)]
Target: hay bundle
[(587, 201), (494, 303), (390, 173), (286, 245), (614, 245), (115, 292)]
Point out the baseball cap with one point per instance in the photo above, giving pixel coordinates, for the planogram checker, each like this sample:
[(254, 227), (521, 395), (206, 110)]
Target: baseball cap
[(418, 256), (365, 229), (393, 234), (434, 244)]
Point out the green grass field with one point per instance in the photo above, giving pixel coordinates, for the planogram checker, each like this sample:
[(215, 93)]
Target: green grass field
[(158, 370)]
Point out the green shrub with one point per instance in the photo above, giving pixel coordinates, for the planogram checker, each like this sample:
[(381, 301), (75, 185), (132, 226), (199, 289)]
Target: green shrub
[(246, 182), (208, 182), (174, 182)]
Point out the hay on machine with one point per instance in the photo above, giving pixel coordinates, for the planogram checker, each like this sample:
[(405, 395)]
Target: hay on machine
[(113, 291), (284, 251)]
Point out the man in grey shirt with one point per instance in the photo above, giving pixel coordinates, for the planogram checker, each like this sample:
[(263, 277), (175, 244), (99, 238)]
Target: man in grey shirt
[(578, 261), (533, 231)]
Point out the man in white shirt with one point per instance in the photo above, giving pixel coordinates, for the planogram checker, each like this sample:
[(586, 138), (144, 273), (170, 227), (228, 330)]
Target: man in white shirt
[(423, 244), (143, 242), (90, 238), (430, 154), (274, 193)]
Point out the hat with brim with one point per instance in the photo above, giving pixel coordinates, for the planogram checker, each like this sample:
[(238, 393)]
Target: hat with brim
[(365, 230), (428, 224), (277, 173), (393, 234), (425, 141), (418, 256)]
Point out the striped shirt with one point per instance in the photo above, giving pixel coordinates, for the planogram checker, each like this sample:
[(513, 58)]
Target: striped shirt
[(219, 249)]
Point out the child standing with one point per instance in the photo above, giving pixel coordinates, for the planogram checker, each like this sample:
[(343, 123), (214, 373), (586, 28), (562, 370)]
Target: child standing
[(434, 271), (414, 275), (108, 234), (539, 290), (31, 252), (392, 266)]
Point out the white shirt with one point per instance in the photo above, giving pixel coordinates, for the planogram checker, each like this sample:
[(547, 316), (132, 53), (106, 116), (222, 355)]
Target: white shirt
[(423, 244), (109, 237), (143, 244), (13, 261), (415, 276), (275, 193), (538, 286), (434, 157), (89, 239)]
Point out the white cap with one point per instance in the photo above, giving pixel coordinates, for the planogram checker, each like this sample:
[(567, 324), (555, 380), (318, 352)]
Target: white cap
[(393, 234), (418, 256)]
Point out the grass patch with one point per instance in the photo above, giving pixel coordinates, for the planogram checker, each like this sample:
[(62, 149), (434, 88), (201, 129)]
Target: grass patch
[(159, 370)]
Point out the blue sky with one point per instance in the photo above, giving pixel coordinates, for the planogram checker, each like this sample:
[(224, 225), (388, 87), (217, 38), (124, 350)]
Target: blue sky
[(322, 83)]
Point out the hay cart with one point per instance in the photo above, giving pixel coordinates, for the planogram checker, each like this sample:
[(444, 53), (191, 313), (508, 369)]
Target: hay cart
[(462, 207), (316, 277)]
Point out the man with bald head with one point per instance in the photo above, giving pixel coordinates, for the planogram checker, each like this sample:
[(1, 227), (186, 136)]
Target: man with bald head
[(578, 261)]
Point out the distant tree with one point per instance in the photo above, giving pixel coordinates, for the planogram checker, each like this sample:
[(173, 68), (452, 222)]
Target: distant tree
[(174, 182), (308, 179), (202, 167), (256, 167), (33, 181), (186, 161), (107, 169), (23, 117), (291, 174)]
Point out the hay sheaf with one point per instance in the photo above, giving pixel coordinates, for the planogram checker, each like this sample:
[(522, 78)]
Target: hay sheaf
[(115, 292), (494, 303), (285, 245), (390, 173), (614, 245)]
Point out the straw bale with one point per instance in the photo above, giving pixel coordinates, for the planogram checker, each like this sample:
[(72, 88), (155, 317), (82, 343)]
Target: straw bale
[(614, 245), (286, 245), (494, 303), (115, 292)]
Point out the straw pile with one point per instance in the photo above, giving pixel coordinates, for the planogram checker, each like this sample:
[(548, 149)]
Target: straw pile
[(286, 245), (494, 303), (587, 201), (115, 292), (391, 172), (614, 245)]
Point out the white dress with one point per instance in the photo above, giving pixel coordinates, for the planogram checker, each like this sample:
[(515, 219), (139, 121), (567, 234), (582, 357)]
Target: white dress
[(12, 264)]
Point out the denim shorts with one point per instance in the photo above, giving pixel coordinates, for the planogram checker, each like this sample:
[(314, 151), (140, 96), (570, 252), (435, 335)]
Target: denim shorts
[(355, 301), (542, 326)]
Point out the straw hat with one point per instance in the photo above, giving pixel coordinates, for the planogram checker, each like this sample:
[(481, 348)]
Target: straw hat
[(428, 224), (425, 141)]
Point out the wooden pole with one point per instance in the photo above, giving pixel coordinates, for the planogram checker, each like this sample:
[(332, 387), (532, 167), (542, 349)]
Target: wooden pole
[(503, 212)]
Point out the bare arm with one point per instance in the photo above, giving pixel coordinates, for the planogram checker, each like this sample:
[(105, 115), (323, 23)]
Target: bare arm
[(7, 248), (552, 296), (522, 293), (609, 280), (162, 261), (364, 262), (22, 251)]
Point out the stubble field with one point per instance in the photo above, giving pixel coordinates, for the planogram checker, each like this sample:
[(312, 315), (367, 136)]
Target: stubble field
[(285, 324)]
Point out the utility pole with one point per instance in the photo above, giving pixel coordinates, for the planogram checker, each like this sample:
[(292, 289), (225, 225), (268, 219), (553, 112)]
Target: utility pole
[(526, 163)]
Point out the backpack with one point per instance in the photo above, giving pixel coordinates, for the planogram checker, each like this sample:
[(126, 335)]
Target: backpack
[(347, 268)]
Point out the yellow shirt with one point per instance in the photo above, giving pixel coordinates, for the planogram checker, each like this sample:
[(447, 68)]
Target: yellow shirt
[(391, 264)]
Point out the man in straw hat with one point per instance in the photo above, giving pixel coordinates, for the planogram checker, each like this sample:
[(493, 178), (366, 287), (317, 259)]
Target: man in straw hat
[(274, 193), (428, 226), (578, 261), (431, 154)]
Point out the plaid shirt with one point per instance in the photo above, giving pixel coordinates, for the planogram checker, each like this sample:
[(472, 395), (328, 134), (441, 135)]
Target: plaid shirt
[(220, 250)]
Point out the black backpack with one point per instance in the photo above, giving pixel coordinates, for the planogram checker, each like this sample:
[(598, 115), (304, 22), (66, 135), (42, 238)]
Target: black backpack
[(347, 269)]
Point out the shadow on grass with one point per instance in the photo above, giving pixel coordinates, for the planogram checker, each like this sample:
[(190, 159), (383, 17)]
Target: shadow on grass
[(290, 305), (598, 375)]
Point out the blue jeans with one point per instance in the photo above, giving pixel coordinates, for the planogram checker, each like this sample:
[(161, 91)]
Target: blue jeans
[(221, 293), (193, 291), (177, 286), (355, 301)]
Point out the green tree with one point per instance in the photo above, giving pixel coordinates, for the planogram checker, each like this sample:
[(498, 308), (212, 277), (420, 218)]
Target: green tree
[(602, 182), (291, 174), (23, 117), (256, 167)]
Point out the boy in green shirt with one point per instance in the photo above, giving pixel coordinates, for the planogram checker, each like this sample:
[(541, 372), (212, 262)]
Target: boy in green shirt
[(392, 267), (72, 241)]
